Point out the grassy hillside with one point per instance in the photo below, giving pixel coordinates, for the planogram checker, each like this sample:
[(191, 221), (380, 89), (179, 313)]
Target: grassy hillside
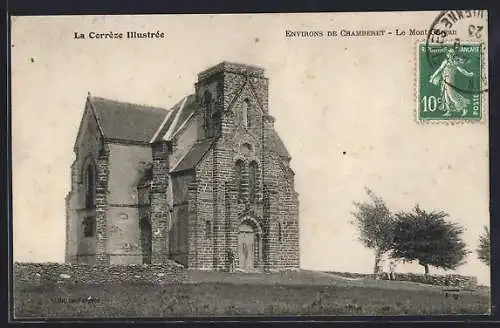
[(223, 294)]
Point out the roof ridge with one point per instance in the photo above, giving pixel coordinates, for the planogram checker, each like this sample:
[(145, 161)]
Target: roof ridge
[(127, 103), (174, 111), (162, 125), (169, 131)]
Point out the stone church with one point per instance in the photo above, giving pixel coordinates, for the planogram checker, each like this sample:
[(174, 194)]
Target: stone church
[(207, 183)]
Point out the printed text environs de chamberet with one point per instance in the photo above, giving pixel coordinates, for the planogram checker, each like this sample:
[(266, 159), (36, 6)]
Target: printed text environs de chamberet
[(120, 35)]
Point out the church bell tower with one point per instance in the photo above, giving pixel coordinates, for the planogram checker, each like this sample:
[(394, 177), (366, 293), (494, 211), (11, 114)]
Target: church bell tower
[(230, 87)]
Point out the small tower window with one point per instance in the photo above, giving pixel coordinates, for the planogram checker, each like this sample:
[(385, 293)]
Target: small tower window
[(207, 105), (279, 232), (245, 113)]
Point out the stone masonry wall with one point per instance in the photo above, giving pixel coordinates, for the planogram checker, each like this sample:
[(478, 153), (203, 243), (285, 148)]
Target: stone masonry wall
[(203, 226), (160, 209), (450, 280), (282, 237), (193, 229), (285, 228), (288, 236), (225, 216), (238, 144), (220, 209), (43, 274), (101, 204)]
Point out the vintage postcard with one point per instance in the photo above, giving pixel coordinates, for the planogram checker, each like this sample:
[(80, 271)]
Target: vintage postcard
[(175, 166)]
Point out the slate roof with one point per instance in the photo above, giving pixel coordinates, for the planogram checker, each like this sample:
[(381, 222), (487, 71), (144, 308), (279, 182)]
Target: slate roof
[(126, 121), (178, 115), (187, 110), (167, 121), (140, 123), (193, 156)]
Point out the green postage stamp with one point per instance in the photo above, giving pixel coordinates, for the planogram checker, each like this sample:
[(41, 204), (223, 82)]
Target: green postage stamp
[(449, 82)]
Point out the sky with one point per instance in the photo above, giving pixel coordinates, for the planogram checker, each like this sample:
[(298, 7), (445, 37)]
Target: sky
[(344, 107)]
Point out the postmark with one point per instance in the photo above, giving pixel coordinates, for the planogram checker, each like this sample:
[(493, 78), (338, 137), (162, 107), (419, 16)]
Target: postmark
[(452, 73)]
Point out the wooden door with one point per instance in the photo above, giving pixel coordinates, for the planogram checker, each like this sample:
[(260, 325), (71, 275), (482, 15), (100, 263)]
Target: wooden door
[(246, 247)]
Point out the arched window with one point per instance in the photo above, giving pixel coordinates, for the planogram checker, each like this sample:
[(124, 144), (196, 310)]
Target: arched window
[(245, 113), (207, 105), (252, 180), (239, 179), (279, 231), (89, 187)]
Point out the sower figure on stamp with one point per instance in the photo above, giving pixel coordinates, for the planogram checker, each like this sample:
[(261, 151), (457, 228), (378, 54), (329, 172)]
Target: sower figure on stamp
[(444, 78)]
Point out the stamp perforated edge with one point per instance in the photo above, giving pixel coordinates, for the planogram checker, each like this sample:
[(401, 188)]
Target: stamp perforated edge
[(416, 88)]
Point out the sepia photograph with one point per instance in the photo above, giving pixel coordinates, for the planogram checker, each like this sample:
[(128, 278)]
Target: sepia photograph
[(236, 165)]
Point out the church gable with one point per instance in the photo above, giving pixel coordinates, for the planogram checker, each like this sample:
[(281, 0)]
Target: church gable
[(247, 113), (245, 93), (89, 127)]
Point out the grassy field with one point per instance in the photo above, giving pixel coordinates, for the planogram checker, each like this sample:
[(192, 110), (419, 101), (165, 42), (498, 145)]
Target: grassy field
[(223, 294)]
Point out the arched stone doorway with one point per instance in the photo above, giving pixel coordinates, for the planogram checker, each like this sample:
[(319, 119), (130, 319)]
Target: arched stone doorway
[(249, 245), (146, 240)]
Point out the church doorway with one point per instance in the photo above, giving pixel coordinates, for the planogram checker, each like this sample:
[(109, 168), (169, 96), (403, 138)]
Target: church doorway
[(246, 247), (146, 241)]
